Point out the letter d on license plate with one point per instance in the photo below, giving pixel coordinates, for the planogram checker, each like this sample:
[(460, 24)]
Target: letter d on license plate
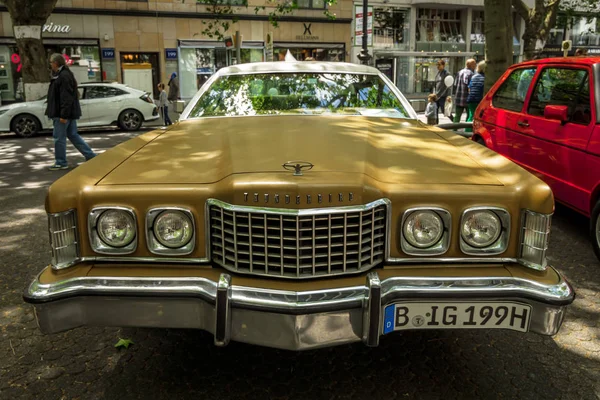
[(457, 315)]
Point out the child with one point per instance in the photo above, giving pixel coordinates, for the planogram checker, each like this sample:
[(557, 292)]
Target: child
[(448, 108), (431, 110), (163, 104)]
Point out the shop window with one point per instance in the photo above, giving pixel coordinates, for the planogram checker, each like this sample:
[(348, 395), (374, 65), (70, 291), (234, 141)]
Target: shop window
[(435, 25), (391, 27), (586, 32), (317, 4), (478, 27), (317, 54)]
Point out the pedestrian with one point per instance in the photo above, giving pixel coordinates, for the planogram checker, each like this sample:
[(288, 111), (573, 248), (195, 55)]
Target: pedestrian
[(475, 91), (173, 87), (462, 89), (64, 109), (163, 104), (441, 90), (431, 112), (448, 108)]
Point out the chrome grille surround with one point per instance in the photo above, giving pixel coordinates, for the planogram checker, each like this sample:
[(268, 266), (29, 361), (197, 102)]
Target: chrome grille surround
[(299, 244)]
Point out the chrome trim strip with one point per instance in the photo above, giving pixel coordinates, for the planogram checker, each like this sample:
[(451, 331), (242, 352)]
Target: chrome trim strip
[(304, 301), (406, 260), (372, 311), (300, 212), (439, 248), (154, 246), (97, 245), (500, 245)]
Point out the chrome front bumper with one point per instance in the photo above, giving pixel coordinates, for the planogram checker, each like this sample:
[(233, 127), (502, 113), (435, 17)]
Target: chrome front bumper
[(273, 318)]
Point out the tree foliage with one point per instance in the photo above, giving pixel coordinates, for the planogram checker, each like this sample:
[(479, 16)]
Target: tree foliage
[(225, 13)]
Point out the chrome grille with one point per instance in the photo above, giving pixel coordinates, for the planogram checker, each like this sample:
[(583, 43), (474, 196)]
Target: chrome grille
[(297, 243)]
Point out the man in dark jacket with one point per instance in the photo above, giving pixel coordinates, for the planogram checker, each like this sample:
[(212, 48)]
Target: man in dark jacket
[(64, 109), (441, 90)]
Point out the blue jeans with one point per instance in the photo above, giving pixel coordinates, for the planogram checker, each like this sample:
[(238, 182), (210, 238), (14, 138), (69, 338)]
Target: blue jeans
[(165, 115), (68, 130)]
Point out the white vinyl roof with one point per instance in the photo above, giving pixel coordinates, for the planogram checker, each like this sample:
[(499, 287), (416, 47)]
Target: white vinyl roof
[(296, 66)]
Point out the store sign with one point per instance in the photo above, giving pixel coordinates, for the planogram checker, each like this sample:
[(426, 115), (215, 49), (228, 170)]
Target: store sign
[(108, 53), (55, 28), (171, 54), (307, 35), (358, 26)]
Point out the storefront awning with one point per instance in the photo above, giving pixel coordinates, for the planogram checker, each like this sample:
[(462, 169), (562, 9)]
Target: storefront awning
[(303, 45), (218, 44), (57, 41)]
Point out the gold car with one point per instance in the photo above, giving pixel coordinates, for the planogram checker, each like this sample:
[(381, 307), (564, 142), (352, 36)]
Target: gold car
[(300, 205)]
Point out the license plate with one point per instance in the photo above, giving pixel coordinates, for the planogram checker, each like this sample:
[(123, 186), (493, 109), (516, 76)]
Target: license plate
[(457, 315)]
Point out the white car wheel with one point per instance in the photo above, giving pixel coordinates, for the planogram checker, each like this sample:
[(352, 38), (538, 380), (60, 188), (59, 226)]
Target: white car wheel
[(130, 120), (25, 125)]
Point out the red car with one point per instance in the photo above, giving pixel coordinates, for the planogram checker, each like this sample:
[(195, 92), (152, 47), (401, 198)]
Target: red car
[(545, 116)]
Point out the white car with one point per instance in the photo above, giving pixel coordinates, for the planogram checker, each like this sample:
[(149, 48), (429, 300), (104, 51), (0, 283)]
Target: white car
[(102, 104)]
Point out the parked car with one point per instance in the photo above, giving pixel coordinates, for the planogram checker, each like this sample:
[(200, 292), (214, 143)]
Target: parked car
[(102, 104), (299, 205), (544, 115)]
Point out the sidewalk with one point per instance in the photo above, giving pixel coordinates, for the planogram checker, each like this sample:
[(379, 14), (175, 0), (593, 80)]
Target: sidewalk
[(443, 118)]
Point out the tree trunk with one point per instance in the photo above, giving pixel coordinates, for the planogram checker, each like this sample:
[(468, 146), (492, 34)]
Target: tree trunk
[(498, 39), (28, 18)]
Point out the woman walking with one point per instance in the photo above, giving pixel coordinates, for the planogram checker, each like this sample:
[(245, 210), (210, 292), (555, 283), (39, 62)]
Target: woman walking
[(475, 92), (163, 104)]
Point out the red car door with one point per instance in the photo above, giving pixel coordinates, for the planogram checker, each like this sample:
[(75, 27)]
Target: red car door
[(552, 135), (497, 117)]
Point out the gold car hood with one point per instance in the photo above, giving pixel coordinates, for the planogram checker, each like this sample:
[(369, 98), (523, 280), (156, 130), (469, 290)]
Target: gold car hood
[(388, 150)]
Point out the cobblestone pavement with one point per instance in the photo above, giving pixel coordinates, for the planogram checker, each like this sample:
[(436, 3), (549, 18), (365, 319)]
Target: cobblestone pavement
[(181, 364)]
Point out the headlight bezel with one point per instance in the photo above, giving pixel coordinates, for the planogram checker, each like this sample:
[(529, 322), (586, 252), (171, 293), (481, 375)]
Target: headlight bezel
[(97, 244), (152, 242), (501, 243), (441, 246)]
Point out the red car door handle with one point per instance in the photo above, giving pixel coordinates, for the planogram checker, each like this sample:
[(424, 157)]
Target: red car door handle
[(523, 124)]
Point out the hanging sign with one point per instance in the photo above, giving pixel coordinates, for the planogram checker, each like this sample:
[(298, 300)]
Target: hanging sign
[(358, 26)]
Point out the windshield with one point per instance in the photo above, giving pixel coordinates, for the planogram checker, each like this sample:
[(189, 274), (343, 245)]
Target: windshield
[(299, 93)]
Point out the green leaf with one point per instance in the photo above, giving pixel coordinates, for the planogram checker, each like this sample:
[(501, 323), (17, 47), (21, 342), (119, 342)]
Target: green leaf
[(124, 343)]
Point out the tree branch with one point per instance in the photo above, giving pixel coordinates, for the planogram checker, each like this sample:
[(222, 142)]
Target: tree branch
[(521, 8)]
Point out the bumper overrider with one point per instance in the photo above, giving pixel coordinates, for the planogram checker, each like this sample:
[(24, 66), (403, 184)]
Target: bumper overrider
[(278, 318)]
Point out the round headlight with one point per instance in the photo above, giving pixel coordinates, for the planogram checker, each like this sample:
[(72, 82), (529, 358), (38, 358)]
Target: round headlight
[(423, 229), (116, 228), (481, 228), (173, 229)]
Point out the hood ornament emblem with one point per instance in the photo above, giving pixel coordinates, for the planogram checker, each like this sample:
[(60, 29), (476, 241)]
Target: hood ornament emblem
[(297, 167)]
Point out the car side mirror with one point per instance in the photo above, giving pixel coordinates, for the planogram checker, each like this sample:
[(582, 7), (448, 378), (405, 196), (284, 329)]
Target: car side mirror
[(557, 113), (179, 106)]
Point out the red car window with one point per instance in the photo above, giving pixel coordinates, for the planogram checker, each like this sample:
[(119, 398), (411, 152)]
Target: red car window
[(512, 93), (564, 87)]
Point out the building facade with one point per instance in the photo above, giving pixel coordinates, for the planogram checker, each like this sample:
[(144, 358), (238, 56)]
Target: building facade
[(410, 36), (142, 42)]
